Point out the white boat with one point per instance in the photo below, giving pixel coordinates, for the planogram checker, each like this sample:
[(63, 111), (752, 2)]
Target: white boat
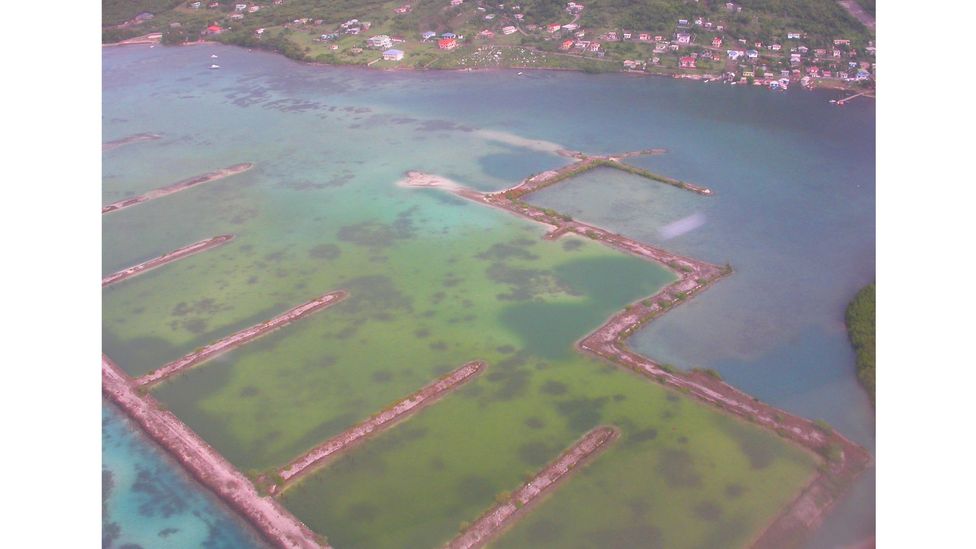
[(214, 66), (213, 56)]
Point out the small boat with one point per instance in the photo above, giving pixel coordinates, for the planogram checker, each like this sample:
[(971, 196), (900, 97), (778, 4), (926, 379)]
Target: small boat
[(833, 100), (213, 56), (214, 66)]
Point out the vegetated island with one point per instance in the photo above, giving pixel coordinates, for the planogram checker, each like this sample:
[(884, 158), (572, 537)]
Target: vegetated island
[(860, 329), (825, 44), (177, 187)]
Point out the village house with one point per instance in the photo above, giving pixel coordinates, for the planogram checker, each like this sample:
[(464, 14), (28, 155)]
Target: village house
[(644, 37), (699, 21), (706, 55), (240, 7), (553, 27), (716, 42), (406, 8), (195, 5), (486, 34), (708, 24), (660, 47), (253, 9), (733, 7), (447, 43), (803, 49), (836, 53), (820, 52), (682, 23), (448, 35), (570, 26), (842, 42), (380, 41), (393, 55), (752, 54), (582, 45), (259, 31), (683, 38), (827, 74), (658, 38), (794, 36), (457, 2), (776, 47), (594, 47), (428, 35), (278, 2), (508, 30), (673, 47), (580, 34), (748, 74), (574, 8), (237, 16), (612, 36), (630, 64), (734, 54), (214, 29), (628, 35), (566, 45)]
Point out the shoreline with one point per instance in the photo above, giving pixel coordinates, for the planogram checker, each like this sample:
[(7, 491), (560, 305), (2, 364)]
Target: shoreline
[(240, 338), (430, 393), (177, 187), (503, 515), (843, 459), (205, 464), (168, 257), (694, 77)]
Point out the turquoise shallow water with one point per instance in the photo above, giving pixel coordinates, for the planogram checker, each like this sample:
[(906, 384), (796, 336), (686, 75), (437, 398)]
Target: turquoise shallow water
[(148, 501), (793, 210)]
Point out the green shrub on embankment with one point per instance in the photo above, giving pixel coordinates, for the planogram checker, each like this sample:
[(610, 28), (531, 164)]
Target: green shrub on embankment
[(860, 328)]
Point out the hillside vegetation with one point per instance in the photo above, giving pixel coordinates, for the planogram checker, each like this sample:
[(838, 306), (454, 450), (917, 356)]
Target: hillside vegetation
[(860, 328)]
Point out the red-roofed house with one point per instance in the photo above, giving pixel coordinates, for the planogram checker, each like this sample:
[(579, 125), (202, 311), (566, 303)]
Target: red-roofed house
[(716, 42), (687, 62), (215, 29), (566, 45), (447, 43)]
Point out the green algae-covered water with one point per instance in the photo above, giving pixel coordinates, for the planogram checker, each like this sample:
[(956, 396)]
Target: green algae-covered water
[(434, 282)]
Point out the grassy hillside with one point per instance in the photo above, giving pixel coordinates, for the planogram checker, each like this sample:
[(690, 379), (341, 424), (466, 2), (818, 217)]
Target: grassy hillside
[(115, 12), (860, 328)]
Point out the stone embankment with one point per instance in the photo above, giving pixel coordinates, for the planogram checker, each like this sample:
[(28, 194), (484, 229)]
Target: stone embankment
[(137, 138), (239, 338), (502, 515), (844, 460), (177, 187), (274, 522), (377, 423), (168, 257)]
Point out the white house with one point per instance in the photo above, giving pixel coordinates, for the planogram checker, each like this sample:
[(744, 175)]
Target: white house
[(393, 55)]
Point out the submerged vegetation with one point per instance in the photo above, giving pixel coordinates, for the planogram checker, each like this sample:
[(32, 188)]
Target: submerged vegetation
[(860, 328)]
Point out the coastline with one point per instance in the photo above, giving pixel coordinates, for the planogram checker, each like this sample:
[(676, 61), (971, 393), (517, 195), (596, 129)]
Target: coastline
[(690, 77)]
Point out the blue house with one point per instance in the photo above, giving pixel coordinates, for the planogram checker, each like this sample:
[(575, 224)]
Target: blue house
[(428, 35)]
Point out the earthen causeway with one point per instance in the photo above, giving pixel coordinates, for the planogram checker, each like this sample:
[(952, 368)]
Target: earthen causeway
[(379, 422), (493, 522), (168, 257), (843, 460), (240, 338), (177, 187)]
